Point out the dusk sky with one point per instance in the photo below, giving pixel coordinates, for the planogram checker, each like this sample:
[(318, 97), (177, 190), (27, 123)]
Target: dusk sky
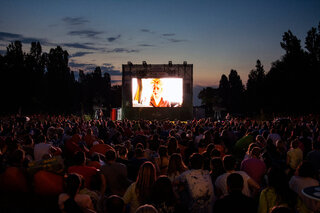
[(214, 36)]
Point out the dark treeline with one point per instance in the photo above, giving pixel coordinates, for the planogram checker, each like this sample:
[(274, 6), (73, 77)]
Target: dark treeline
[(290, 86), (42, 82)]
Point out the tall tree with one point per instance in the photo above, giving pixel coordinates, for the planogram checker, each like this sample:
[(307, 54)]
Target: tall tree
[(224, 91), (59, 81), (256, 87), (15, 77), (312, 45), (35, 67), (236, 92)]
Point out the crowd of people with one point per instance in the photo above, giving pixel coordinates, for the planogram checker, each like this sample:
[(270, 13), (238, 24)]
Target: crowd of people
[(99, 165)]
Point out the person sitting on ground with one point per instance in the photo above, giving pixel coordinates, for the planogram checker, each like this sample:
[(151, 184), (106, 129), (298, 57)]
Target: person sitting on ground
[(163, 161), (277, 192), (314, 155), (176, 167), (139, 192), (147, 209), (122, 156), (71, 200), (115, 175), (253, 166), (207, 157), (229, 163), (172, 146), (100, 147), (42, 148), (294, 156), (235, 201), (217, 169), (162, 196), (89, 138), (114, 204), (197, 183), (248, 153), (305, 177), (135, 163), (86, 171)]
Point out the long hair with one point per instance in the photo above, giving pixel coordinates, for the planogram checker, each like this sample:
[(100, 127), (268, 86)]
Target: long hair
[(145, 180), (172, 145), (176, 164)]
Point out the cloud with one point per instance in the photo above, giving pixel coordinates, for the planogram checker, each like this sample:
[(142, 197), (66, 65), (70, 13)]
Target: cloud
[(176, 40), (86, 46), (145, 30), (105, 68), (112, 39), (146, 45), (75, 20), (5, 36), (169, 34), (110, 69), (73, 64), (122, 50), (85, 33), (80, 54)]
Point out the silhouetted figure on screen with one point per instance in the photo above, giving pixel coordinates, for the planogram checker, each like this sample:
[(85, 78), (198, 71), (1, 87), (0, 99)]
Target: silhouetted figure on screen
[(156, 99)]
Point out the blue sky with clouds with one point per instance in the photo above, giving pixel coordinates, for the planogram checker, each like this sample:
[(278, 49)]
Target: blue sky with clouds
[(215, 36)]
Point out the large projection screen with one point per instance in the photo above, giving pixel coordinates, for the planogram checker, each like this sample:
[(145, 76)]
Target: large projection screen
[(157, 92)]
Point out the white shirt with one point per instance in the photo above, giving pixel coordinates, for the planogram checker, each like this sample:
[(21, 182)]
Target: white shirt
[(40, 150), (200, 188), (274, 137), (83, 200), (221, 183)]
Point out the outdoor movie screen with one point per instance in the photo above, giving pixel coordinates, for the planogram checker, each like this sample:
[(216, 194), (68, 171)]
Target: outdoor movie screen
[(157, 92)]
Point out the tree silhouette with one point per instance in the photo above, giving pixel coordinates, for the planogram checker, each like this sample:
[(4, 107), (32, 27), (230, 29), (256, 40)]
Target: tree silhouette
[(38, 81), (236, 92), (210, 98), (224, 91), (256, 88), (14, 85), (35, 66), (312, 44)]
